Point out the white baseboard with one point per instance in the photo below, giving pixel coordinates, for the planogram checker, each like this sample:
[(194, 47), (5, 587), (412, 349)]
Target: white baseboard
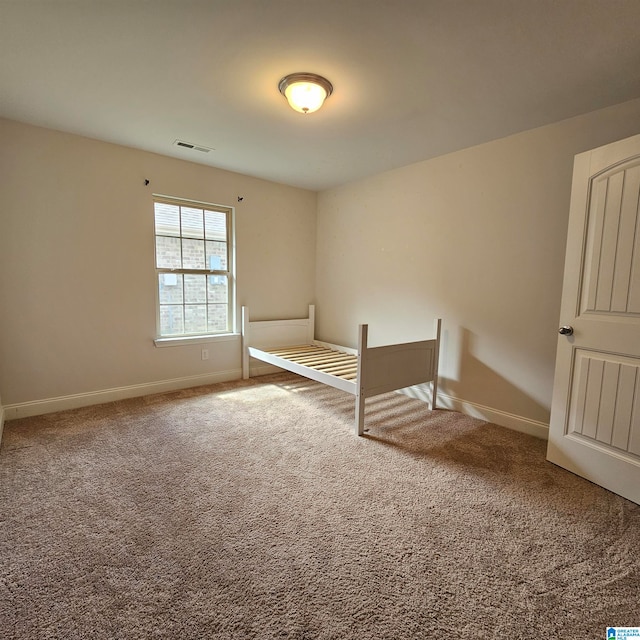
[(420, 392), (62, 403), (502, 418), (264, 370), (444, 401), (475, 410)]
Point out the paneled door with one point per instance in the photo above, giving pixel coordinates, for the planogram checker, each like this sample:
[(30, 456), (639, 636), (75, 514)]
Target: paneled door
[(595, 412)]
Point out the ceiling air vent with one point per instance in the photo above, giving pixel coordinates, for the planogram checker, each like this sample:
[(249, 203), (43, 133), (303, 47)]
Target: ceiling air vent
[(190, 145)]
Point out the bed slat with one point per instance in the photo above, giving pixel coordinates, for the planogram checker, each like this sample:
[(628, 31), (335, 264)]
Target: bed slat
[(330, 358), (341, 373), (293, 351)]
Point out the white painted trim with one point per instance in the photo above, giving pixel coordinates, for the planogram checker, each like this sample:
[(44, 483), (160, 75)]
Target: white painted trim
[(502, 418), (420, 392), (475, 410), (264, 370), (62, 403)]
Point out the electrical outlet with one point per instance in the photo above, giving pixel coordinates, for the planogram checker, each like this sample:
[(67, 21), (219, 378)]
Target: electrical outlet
[(205, 354)]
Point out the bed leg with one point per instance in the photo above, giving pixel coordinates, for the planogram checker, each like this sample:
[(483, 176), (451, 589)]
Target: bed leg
[(245, 343), (434, 393), (360, 414), (363, 338), (436, 356)]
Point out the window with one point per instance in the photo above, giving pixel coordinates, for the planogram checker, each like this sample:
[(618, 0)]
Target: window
[(194, 266)]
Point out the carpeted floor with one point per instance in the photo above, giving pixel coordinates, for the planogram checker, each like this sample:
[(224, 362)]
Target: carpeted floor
[(250, 510)]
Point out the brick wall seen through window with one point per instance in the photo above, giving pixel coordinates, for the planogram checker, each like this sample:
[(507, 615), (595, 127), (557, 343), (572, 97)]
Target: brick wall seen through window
[(193, 267)]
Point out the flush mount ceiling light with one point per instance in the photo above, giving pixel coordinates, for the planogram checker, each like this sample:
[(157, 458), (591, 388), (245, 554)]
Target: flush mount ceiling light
[(305, 92)]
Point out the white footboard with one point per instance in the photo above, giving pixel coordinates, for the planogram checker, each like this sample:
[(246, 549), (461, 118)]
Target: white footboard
[(396, 366), (401, 365)]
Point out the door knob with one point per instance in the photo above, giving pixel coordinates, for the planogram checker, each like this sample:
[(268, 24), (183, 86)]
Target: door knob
[(566, 331)]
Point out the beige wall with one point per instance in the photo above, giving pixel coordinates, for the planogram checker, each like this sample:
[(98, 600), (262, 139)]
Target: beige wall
[(476, 237), (75, 212)]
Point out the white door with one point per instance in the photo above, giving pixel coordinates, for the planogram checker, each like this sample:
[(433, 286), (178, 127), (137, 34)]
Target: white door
[(595, 413)]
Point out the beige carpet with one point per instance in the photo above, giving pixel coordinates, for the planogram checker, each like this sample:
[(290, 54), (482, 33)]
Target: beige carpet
[(250, 510)]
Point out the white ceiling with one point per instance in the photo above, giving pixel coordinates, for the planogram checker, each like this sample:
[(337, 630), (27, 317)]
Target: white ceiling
[(413, 79)]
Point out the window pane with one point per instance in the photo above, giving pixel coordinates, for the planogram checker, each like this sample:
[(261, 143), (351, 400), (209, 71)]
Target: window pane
[(167, 219), (170, 288), (167, 253), (195, 318), (171, 320), (195, 288), (216, 255), (192, 223), (215, 223), (193, 254), (217, 320), (192, 240), (217, 289)]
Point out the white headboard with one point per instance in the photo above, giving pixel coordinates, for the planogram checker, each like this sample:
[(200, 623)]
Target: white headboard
[(270, 334)]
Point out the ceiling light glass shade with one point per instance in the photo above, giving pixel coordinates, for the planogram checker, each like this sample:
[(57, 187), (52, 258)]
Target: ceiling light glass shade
[(305, 92)]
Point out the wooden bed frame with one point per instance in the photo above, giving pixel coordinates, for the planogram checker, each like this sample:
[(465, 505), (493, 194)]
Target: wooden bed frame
[(363, 372)]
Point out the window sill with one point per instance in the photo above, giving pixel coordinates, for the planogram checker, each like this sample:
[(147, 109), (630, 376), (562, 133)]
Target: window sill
[(189, 340)]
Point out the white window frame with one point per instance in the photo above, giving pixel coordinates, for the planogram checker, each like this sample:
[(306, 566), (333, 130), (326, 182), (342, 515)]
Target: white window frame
[(196, 338)]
